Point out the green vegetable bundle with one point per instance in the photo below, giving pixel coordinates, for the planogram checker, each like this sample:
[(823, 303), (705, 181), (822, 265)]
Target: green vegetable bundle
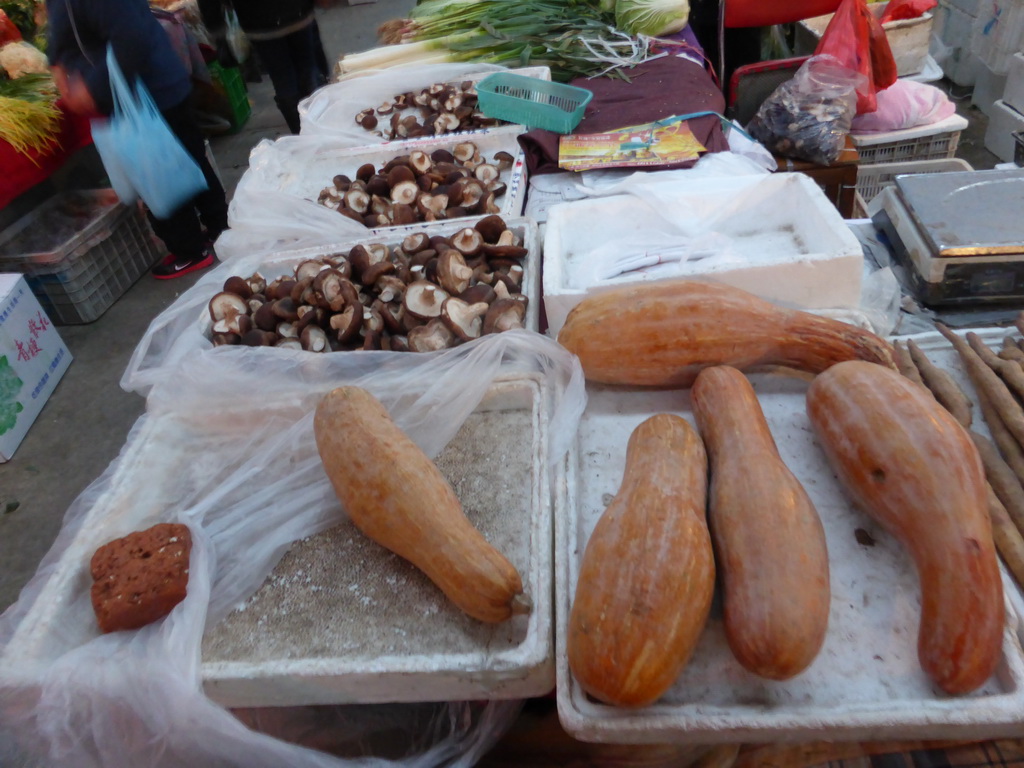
[(29, 118), (574, 38)]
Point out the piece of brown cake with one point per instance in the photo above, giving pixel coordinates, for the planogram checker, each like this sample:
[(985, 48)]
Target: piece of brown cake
[(140, 577)]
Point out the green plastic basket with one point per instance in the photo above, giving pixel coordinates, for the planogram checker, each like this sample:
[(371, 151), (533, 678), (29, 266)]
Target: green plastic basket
[(532, 102)]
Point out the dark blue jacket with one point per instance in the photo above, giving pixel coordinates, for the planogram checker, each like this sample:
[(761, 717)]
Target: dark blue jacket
[(142, 48)]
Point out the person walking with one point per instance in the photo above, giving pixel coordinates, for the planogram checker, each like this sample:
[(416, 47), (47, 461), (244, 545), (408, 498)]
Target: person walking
[(287, 41), (78, 35)]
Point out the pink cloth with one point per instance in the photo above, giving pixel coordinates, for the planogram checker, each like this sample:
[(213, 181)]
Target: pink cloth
[(905, 104)]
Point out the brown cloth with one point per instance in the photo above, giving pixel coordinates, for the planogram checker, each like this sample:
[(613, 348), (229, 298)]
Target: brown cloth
[(656, 89)]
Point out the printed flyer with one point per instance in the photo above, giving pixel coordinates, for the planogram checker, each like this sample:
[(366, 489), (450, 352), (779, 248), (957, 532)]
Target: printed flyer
[(659, 143)]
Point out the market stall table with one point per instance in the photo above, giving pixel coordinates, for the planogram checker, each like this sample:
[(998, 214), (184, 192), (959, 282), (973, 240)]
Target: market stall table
[(23, 171)]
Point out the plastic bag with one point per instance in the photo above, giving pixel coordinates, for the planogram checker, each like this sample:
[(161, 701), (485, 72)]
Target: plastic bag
[(230, 431), (331, 111), (809, 116), (906, 9), (905, 104), (236, 39), (855, 38), (140, 153)]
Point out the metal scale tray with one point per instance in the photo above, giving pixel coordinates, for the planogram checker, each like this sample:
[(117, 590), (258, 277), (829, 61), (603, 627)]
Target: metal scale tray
[(958, 238)]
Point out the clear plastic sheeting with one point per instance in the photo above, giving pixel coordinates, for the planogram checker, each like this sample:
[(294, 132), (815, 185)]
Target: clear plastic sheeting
[(332, 110), (233, 431)]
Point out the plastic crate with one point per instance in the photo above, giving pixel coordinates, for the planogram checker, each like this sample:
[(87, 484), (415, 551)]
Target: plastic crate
[(928, 142), (872, 179), (79, 252), (532, 102), (230, 79)]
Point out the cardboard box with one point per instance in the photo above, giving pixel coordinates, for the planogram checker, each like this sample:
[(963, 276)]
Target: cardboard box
[(32, 360)]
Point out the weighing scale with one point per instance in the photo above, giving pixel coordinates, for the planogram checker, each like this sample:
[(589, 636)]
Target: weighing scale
[(957, 238)]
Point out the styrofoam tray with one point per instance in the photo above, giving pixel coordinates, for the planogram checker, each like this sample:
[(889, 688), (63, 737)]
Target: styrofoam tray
[(342, 620), (400, 639), (285, 262), (866, 683), (786, 241), (309, 172)]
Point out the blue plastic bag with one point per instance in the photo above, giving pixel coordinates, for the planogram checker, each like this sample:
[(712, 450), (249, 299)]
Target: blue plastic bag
[(140, 153)]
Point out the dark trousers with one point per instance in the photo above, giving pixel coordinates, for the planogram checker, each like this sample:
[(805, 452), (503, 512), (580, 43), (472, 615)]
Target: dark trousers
[(182, 233), (294, 69)]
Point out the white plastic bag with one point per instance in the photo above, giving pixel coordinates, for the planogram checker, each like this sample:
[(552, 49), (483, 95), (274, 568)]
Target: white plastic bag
[(236, 39), (332, 110), (905, 104), (231, 432)]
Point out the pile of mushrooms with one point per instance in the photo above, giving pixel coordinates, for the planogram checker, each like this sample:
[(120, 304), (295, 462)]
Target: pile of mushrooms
[(442, 108), (426, 294), (420, 187)]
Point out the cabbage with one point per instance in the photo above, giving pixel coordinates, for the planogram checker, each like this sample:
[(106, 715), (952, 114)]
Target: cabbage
[(651, 17)]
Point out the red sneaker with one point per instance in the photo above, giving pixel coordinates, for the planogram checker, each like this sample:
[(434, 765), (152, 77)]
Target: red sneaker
[(172, 266)]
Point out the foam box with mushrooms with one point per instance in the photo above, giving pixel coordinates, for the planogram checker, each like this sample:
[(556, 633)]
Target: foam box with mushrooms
[(430, 289), (866, 683), (776, 236), (411, 182)]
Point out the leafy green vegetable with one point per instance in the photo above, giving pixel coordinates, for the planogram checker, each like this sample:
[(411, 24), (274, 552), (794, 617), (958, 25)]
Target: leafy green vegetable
[(651, 17)]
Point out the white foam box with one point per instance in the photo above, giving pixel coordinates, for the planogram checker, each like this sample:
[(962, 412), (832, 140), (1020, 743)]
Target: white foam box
[(340, 619), (1013, 93), (908, 38), (312, 171), (865, 684), (787, 242), (998, 33), (284, 263), (1002, 122), (33, 358), (988, 88), (954, 27)]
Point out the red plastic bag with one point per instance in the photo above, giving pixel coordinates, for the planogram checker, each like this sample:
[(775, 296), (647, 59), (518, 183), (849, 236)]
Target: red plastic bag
[(856, 39), (895, 10), (8, 32)]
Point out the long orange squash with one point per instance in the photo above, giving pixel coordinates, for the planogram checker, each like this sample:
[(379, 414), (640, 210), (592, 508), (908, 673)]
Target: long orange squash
[(663, 333), (909, 465), (647, 575), (396, 495), (769, 542)]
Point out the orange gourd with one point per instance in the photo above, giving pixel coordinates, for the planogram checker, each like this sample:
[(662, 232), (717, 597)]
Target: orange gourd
[(913, 468), (769, 541), (647, 575), (396, 495), (664, 333)]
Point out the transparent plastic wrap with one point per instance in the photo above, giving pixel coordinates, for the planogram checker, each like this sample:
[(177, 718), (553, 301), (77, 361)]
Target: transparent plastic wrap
[(332, 110), (809, 117), (237, 428)]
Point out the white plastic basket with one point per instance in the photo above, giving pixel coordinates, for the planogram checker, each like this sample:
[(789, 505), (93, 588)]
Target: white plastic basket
[(927, 142), (872, 179)]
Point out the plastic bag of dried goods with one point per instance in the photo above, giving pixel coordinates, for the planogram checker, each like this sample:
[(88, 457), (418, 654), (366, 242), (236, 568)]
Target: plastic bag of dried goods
[(227, 448)]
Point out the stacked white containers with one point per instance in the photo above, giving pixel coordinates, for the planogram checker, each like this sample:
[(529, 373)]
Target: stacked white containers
[(953, 28), (1007, 115)]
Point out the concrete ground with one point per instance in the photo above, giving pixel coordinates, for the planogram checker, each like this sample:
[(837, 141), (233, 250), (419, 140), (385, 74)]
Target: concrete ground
[(84, 424)]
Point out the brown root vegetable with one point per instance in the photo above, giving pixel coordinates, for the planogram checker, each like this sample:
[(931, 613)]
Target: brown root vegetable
[(1007, 536), (1002, 479), (775, 604), (908, 464), (647, 575), (664, 333), (1009, 350), (905, 363), (1009, 448), (1009, 372), (396, 495), (988, 385), (942, 386)]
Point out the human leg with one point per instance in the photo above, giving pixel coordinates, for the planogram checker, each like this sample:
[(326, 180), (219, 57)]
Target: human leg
[(276, 57), (182, 232)]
